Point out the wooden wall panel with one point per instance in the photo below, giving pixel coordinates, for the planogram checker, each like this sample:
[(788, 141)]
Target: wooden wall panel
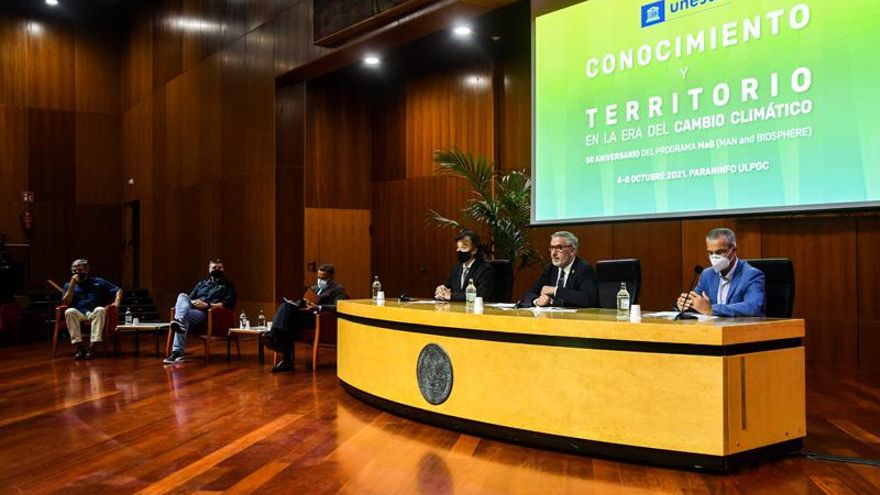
[(201, 30), (103, 251), (51, 150), (388, 124), (167, 41), (657, 245), (868, 268), (137, 150), (823, 251), (340, 237), (869, 345), (444, 110), (259, 124), (516, 120), (408, 255), (338, 145), (246, 236), (97, 75), (181, 166), (50, 66), (98, 159), (137, 60), (13, 169), (13, 61), (52, 241), (289, 193), (235, 108)]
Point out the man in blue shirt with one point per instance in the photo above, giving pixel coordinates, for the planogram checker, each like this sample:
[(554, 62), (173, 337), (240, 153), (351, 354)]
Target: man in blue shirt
[(192, 309), (732, 287), (86, 297)]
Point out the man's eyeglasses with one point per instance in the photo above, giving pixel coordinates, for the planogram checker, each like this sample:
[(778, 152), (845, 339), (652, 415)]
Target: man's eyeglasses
[(722, 252), (558, 248)]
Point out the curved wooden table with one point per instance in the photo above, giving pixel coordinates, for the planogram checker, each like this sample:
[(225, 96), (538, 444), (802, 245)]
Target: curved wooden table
[(709, 395)]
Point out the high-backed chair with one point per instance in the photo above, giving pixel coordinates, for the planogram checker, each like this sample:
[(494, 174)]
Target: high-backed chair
[(611, 273), (111, 320), (220, 320), (778, 285), (503, 281)]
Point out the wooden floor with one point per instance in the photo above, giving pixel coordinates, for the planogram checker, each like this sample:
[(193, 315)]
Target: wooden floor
[(130, 425)]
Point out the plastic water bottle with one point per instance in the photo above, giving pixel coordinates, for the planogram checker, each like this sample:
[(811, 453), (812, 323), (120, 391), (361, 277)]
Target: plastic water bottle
[(623, 302), (242, 320), (128, 316), (377, 287), (470, 293), (261, 319)]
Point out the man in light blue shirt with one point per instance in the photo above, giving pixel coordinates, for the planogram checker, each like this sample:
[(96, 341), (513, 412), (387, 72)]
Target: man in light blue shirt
[(732, 287)]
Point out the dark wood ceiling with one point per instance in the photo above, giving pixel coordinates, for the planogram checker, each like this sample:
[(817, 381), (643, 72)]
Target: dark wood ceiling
[(77, 11)]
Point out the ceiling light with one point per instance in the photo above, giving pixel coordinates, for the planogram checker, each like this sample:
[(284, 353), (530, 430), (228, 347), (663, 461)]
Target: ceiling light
[(372, 60), (462, 30), (52, 2)]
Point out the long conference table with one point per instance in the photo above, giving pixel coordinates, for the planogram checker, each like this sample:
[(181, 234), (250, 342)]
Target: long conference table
[(711, 395)]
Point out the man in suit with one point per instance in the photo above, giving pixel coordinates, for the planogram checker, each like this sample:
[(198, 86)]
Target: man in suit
[(470, 266), (732, 287), (568, 281), (291, 318)]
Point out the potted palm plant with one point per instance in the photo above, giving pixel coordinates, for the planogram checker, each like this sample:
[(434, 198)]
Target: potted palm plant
[(499, 204)]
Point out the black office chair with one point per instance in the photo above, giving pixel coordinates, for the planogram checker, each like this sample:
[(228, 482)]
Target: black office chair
[(503, 281), (778, 285), (611, 273)]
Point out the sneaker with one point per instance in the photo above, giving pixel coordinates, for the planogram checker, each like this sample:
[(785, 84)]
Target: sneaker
[(174, 357), (282, 367), (177, 326)]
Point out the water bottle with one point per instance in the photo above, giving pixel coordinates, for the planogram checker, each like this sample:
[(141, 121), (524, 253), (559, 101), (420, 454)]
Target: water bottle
[(261, 319), (470, 293), (623, 302), (128, 316), (377, 287), (242, 320)]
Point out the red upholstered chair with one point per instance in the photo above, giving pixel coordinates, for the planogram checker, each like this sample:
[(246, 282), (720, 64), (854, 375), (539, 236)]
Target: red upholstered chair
[(323, 335), (112, 320), (220, 320)]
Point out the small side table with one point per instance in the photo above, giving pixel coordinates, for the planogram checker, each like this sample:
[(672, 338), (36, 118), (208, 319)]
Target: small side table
[(143, 327), (249, 332)]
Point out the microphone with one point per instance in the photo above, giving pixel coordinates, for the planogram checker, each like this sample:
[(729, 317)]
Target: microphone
[(404, 298), (698, 269)]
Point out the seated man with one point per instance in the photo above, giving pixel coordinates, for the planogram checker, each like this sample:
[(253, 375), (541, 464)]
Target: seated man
[(84, 295), (192, 309), (568, 281), (291, 318), (732, 287), (471, 265)]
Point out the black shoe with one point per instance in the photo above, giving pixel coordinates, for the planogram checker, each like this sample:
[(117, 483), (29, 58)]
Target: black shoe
[(90, 353), (283, 366), (174, 357), (177, 326), (269, 342), (80, 353)]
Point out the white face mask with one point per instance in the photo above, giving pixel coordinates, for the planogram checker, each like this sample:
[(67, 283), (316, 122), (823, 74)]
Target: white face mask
[(719, 262)]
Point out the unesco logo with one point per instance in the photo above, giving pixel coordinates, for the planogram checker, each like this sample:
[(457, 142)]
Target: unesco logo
[(653, 13)]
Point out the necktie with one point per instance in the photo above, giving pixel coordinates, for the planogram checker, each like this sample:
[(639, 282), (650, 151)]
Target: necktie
[(560, 282), (464, 272)]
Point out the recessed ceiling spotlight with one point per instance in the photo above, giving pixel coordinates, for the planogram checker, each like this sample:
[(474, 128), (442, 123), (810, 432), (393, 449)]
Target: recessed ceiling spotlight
[(462, 30), (372, 60), (52, 3)]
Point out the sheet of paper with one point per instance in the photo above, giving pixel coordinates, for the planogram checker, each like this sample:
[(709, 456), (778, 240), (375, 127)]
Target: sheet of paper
[(670, 315)]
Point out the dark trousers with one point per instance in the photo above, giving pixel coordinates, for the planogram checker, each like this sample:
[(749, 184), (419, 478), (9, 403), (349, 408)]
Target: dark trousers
[(287, 322)]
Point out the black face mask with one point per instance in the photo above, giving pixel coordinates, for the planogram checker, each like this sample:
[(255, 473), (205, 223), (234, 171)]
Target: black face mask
[(463, 256), (217, 273)]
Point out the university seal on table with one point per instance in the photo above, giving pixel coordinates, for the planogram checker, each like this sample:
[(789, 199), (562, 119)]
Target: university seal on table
[(434, 373)]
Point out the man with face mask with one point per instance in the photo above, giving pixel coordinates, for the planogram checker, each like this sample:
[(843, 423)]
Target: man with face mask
[(732, 287), (291, 318), (192, 309), (470, 266), (85, 295), (568, 281)]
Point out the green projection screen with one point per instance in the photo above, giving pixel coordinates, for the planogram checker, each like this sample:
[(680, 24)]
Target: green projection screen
[(705, 107)]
